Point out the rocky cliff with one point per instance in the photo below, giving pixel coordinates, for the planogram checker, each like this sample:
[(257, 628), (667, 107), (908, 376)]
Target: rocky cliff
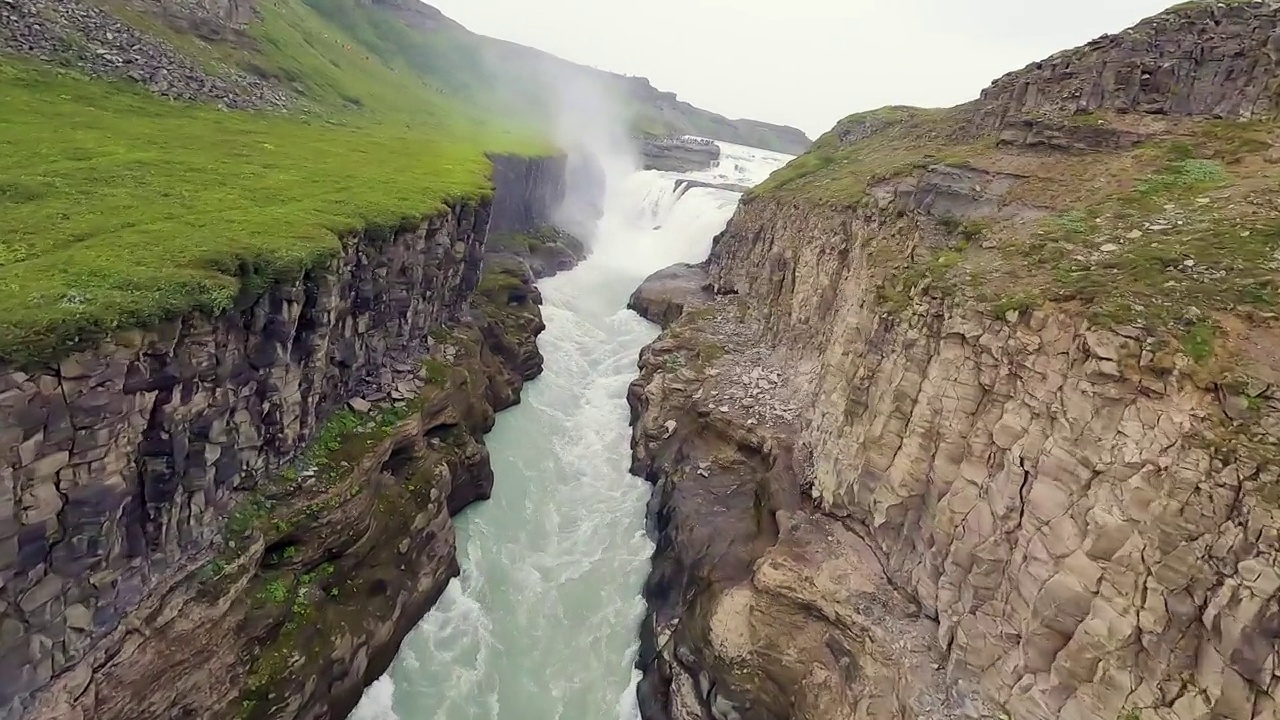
[(674, 156), (80, 33), (972, 413), (255, 507)]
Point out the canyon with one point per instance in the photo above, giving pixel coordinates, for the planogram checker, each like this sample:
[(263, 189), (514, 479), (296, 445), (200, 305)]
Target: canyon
[(929, 441), (968, 412)]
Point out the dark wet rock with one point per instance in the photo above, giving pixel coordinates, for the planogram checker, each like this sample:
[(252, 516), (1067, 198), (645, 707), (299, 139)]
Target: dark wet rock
[(542, 188), (673, 155), (546, 250)]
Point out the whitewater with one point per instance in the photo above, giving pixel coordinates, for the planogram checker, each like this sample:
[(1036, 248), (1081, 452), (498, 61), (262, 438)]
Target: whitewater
[(542, 624)]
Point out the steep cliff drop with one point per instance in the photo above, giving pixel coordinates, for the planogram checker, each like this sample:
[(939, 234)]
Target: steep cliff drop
[(541, 624), (285, 473), (973, 412)]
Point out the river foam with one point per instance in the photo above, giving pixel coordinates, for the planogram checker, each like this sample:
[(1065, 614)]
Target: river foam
[(542, 623)]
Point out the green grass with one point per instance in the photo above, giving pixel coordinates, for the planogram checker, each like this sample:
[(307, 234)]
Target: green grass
[(437, 372), (1184, 173), (863, 149), (1176, 251), (119, 209), (1172, 236)]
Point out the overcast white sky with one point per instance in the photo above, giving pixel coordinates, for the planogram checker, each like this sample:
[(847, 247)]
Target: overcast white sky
[(806, 63)]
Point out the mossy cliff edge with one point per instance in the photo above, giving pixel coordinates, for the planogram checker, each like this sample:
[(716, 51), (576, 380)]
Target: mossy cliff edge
[(255, 505), (973, 412)]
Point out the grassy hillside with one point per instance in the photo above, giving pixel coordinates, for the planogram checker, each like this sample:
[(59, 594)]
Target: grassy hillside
[(1176, 235), (509, 78), (119, 208), (1162, 223)]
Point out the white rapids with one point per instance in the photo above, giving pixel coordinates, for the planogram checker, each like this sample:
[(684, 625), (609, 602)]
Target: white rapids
[(542, 624)]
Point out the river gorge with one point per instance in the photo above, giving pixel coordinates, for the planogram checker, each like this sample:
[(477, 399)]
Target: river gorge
[(554, 564), (355, 364)]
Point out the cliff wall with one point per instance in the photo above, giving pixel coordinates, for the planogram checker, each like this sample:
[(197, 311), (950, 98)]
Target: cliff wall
[(535, 192), (1216, 59), (255, 507), (931, 438), (677, 157)]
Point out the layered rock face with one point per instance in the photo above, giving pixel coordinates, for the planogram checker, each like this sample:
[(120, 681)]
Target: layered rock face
[(1057, 530), (671, 156), (873, 504), (536, 193), (1210, 58), (255, 507)]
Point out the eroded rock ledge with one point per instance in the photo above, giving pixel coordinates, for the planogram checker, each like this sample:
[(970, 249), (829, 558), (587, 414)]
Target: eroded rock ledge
[(761, 606), (256, 507)]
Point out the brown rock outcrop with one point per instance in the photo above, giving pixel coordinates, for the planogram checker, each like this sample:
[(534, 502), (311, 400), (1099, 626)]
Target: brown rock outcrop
[(1077, 549), (665, 294), (879, 498)]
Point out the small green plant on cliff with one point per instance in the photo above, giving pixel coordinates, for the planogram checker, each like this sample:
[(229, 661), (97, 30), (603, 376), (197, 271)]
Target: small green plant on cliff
[(390, 416), (966, 230), (1016, 303), (974, 229), (436, 371), (211, 570), (276, 591), (1185, 173), (896, 293), (709, 353), (498, 286), (1076, 222), (1198, 342), (248, 513), (334, 431), (1086, 119)]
